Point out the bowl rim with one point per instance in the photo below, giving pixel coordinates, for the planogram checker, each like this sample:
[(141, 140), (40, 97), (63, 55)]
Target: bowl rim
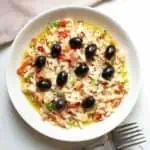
[(125, 114)]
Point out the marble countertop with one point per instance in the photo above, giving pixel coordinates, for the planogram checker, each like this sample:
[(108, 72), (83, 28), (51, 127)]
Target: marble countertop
[(134, 16)]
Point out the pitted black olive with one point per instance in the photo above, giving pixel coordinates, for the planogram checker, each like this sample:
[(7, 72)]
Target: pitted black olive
[(110, 52), (60, 103), (44, 84), (40, 61), (56, 50), (62, 78), (88, 102), (75, 42), (108, 72), (82, 70), (90, 51)]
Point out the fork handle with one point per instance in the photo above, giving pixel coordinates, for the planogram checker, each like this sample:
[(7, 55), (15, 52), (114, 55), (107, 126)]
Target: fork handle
[(87, 2), (109, 145), (108, 142)]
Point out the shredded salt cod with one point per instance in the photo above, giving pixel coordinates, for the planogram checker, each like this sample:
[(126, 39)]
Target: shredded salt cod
[(75, 73)]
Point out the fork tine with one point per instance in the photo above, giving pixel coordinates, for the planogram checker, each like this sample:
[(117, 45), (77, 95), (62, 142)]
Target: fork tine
[(124, 129), (129, 132), (131, 140), (126, 125), (130, 144), (130, 137), (127, 129)]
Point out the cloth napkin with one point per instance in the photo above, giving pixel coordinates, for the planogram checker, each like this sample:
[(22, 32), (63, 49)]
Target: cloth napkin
[(15, 13)]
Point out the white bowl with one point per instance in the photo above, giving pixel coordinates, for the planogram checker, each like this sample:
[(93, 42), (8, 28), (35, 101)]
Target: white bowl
[(25, 109)]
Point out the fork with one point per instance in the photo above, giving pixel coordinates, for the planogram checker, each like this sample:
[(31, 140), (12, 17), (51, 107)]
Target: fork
[(122, 137), (128, 135)]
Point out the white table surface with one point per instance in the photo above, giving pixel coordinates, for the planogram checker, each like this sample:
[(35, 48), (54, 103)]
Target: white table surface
[(134, 16)]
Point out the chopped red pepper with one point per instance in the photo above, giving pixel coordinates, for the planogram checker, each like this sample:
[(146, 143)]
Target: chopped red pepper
[(73, 105), (40, 48), (63, 34), (97, 116), (23, 68), (68, 58), (63, 23)]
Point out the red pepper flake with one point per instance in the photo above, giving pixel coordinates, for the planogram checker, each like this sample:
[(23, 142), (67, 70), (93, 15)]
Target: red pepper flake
[(63, 23), (40, 48)]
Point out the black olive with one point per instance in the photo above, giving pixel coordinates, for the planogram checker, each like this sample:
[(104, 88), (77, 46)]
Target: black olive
[(75, 42), (40, 61), (90, 51), (110, 52), (82, 70), (44, 84), (88, 102), (60, 103), (56, 50), (108, 72), (62, 78)]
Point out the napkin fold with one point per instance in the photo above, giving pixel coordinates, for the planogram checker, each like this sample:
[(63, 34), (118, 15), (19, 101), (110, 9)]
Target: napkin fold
[(15, 13)]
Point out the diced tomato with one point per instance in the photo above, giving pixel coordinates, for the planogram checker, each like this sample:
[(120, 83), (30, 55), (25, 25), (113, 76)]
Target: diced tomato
[(119, 88), (40, 48), (74, 105), (63, 34), (52, 117), (73, 59), (63, 58), (69, 58), (96, 116), (63, 23), (23, 68), (79, 88), (39, 74), (116, 103)]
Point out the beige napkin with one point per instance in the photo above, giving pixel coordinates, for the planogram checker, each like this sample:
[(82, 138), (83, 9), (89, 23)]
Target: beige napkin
[(15, 13)]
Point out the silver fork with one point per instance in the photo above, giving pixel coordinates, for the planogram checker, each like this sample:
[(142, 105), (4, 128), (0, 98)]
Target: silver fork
[(122, 137), (127, 135)]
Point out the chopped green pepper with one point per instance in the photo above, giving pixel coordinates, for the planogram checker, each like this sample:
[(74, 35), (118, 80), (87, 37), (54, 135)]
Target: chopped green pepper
[(53, 24), (50, 106), (30, 75), (93, 82), (105, 32)]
